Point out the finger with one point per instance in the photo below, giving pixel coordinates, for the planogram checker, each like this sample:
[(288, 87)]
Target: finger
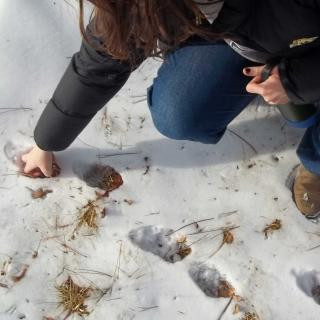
[(46, 170), (24, 158), (253, 71), (255, 87), (29, 167)]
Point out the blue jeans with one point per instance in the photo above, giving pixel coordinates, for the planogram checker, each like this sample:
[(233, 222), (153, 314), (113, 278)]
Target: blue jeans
[(200, 89)]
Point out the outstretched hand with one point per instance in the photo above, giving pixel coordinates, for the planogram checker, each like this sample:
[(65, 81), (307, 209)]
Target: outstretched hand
[(271, 90)]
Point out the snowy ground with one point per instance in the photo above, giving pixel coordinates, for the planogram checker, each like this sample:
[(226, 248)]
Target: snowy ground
[(185, 182)]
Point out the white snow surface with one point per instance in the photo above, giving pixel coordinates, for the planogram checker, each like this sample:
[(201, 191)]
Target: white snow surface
[(187, 182)]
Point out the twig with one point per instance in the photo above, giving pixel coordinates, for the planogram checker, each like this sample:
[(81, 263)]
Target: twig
[(138, 101), (316, 247), (195, 222), (101, 156), (225, 308), (244, 140), (14, 109), (64, 245), (88, 271), (212, 230), (138, 96), (117, 269), (215, 236), (147, 308)]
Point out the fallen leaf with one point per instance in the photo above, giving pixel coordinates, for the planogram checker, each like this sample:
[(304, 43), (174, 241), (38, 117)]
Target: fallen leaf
[(275, 225), (225, 289), (39, 193)]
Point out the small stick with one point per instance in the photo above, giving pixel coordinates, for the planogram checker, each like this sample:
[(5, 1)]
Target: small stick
[(215, 236), (138, 96), (226, 308), (244, 140), (318, 246), (147, 308), (212, 230), (195, 222), (101, 156), (117, 269), (20, 108), (71, 249), (138, 101)]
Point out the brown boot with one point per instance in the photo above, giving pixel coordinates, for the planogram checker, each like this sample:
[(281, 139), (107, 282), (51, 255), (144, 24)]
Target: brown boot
[(306, 192)]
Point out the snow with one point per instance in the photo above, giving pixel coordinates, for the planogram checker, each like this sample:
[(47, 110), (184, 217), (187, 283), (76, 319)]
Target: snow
[(186, 182)]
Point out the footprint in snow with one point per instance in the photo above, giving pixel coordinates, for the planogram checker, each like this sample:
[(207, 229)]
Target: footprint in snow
[(13, 152), (161, 242), (210, 281), (309, 283)]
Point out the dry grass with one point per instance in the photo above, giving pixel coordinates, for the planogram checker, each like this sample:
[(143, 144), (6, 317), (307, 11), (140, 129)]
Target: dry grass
[(250, 316), (89, 217), (72, 298)]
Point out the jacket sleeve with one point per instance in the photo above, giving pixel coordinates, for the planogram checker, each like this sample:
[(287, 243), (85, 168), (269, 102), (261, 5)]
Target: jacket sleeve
[(90, 81), (301, 77)]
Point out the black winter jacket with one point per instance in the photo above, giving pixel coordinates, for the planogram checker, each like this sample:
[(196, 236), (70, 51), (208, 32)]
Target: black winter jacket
[(286, 29)]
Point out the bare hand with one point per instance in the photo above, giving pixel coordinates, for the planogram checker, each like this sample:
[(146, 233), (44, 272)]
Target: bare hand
[(38, 163), (271, 90)]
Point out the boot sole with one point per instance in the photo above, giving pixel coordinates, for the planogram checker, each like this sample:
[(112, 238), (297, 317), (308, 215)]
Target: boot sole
[(289, 184)]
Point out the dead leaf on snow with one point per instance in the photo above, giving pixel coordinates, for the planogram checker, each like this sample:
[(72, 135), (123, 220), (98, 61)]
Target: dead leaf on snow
[(39, 193), (275, 225), (225, 289)]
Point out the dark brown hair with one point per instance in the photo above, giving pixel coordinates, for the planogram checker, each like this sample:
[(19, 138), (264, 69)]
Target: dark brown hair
[(126, 24)]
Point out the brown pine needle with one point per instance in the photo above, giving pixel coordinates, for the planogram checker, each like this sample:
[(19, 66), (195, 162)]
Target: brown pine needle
[(228, 238), (275, 225), (196, 223), (68, 248), (72, 298)]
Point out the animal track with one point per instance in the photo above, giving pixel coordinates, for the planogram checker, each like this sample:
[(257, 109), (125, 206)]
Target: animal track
[(158, 241), (210, 281), (309, 283)]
